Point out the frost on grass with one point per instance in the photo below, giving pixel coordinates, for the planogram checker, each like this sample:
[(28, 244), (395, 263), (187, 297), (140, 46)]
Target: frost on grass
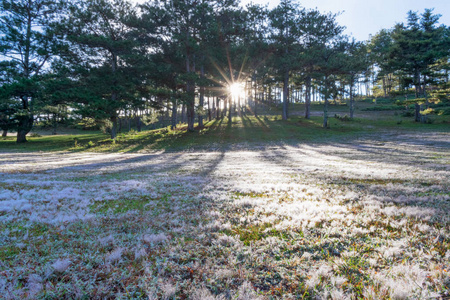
[(154, 238), (61, 265), (342, 221), (34, 284), (115, 255)]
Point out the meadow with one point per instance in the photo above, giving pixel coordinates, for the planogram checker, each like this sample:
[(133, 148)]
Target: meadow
[(256, 209)]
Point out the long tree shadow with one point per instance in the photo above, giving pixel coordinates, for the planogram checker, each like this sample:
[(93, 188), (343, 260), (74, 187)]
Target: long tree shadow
[(390, 149), (262, 124), (204, 163)]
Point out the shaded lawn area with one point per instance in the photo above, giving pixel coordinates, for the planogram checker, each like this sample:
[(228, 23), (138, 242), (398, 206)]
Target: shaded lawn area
[(243, 132)]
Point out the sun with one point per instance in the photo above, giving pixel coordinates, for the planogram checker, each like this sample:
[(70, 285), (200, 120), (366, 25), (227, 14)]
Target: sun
[(236, 89)]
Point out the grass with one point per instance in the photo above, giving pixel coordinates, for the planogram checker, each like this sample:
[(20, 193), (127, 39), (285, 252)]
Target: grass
[(247, 227), (242, 131), (294, 211)]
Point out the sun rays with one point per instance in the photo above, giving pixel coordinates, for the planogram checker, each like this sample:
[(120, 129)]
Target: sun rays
[(236, 90)]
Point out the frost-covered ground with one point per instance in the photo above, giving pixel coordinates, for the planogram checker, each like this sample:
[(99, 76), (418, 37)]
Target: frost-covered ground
[(366, 219)]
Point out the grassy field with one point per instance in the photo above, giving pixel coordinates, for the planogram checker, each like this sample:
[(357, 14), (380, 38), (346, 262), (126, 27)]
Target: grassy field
[(257, 209), (245, 131)]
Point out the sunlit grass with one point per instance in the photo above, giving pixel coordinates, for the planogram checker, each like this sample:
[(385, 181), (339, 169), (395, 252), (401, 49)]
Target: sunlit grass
[(242, 131), (274, 209)]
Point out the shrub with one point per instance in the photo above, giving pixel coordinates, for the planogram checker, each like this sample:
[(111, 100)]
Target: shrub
[(383, 108), (407, 114), (106, 126), (427, 111), (343, 118), (132, 132), (382, 101), (430, 120), (164, 130), (87, 124), (444, 112)]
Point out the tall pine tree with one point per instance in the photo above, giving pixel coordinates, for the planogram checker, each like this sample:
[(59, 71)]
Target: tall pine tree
[(28, 44)]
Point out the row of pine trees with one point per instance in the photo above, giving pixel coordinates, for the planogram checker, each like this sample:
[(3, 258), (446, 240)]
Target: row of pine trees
[(103, 59)]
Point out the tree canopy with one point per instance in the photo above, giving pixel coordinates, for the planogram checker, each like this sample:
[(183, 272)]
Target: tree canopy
[(105, 59)]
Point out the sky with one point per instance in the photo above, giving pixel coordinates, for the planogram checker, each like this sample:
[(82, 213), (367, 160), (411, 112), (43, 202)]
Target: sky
[(362, 17)]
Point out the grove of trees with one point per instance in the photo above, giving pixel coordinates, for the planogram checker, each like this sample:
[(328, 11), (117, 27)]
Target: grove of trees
[(104, 60)]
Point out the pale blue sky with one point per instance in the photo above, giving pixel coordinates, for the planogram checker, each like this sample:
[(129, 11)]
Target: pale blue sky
[(363, 17)]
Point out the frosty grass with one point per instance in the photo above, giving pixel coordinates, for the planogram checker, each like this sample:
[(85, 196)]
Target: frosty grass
[(367, 219)]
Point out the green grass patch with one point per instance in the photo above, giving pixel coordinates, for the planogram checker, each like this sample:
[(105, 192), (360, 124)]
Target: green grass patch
[(8, 252), (354, 270), (250, 194), (218, 134), (384, 108), (255, 232), (379, 181), (121, 205), (247, 130)]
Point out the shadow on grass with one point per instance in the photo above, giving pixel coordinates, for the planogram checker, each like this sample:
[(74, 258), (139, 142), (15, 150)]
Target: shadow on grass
[(389, 158), (218, 133), (146, 163)]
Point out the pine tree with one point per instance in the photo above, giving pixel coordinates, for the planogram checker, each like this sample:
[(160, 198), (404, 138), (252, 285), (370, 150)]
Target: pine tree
[(417, 46), (379, 48), (319, 31), (356, 62), (29, 44), (285, 36), (331, 63), (105, 57)]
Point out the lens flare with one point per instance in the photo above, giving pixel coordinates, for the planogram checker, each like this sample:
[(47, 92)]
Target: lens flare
[(236, 89)]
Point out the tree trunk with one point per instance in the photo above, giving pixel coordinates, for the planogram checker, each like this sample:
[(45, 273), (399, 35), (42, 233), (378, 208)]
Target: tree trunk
[(424, 118), (210, 110), (202, 97), (308, 98), (417, 112), (239, 109), (191, 117), (24, 127), (183, 113), (352, 102), (417, 83), (314, 94), (174, 114), (138, 123), (191, 99), (255, 99), (263, 95), (217, 108), (5, 133), (325, 107), (114, 127), (417, 90), (21, 136), (113, 116), (54, 124), (229, 108), (389, 84)]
